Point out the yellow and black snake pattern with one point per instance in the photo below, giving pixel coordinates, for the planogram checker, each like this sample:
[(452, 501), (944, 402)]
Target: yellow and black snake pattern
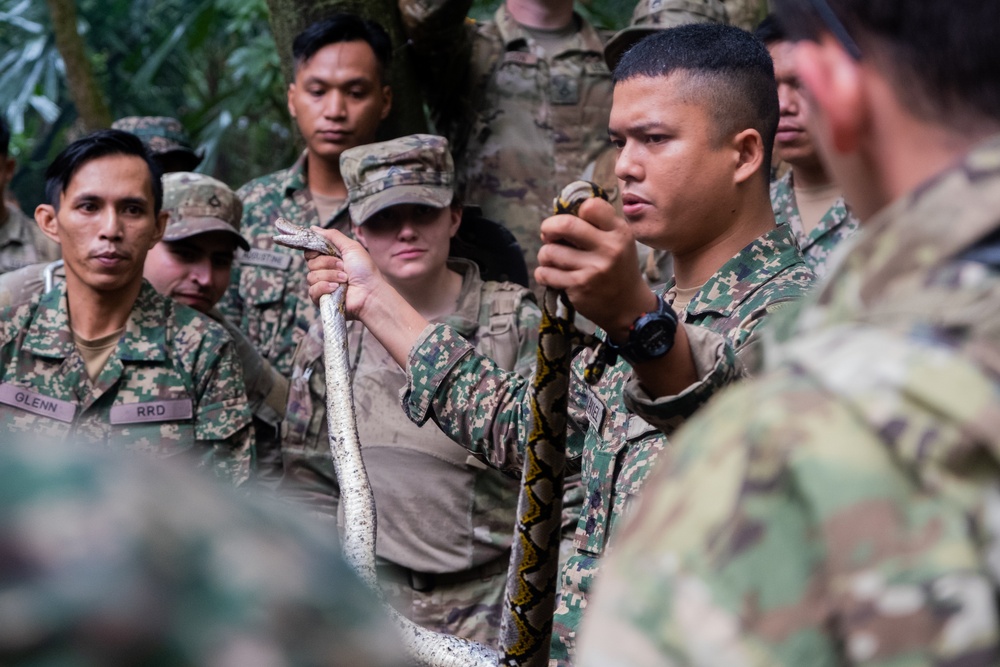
[(526, 626)]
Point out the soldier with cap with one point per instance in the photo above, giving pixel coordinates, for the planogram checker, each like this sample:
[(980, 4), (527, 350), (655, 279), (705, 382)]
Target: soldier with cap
[(21, 241), (166, 140), (102, 358), (693, 118), (445, 519)]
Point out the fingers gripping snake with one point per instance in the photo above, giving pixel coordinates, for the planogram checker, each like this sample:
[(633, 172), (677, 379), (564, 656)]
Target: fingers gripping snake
[(526, 625)]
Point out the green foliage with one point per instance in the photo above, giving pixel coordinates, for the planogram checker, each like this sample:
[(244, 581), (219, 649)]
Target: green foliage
[(210, 63)]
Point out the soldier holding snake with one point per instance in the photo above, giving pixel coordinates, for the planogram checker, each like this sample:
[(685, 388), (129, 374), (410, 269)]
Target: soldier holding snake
[(694, 115)]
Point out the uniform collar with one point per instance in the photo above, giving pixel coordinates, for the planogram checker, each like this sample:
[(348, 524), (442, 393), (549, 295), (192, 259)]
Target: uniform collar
[(836, 216), (514, 35), (465, 319), (736, 281), (144, 339), (296, 177), (295, 185), (927, 227)]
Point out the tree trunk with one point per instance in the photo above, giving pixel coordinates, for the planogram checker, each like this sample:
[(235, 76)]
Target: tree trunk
[(290, 17), (87, 95)]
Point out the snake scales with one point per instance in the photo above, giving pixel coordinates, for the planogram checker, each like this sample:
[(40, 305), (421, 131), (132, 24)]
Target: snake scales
[(526, 625)]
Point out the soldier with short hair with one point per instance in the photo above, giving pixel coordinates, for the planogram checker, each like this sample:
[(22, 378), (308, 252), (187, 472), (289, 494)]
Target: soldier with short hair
[(166, 140), (338, 97), (102, 358), (445, 519), (842, 508), (806, 198), (21, 241), (693, 119)]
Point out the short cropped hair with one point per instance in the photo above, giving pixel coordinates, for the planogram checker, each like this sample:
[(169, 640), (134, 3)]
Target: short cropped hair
[(342, 28), (732, 69), (91, 147), (770, 31), (940, 57), (4, 136)]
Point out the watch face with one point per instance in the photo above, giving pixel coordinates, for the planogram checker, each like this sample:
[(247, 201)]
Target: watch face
[(656, 338)]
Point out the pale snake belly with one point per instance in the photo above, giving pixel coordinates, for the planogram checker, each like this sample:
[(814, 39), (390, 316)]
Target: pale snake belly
[(526, 625)]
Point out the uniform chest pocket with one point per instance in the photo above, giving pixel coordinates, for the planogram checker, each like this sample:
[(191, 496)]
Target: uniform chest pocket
[(263, 286), (599, 483), (517, 77)]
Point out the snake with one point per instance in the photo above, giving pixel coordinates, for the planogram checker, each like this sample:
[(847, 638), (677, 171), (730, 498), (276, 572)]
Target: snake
[(526, 621)]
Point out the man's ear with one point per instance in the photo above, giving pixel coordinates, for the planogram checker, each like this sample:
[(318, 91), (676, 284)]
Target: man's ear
[(45, 218), (291, 94), (834, 83), (387, 97), (749, 149), (161, 227)]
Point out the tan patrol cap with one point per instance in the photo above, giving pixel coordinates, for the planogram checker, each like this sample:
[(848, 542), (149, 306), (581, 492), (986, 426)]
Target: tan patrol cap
[(653, 15), (198, 204), (416, 169)]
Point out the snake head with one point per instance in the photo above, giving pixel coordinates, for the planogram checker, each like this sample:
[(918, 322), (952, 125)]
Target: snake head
[(302, 238)]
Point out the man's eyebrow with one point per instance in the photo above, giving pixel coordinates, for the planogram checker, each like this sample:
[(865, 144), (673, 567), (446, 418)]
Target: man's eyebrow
[(640, 127), (356, 81)]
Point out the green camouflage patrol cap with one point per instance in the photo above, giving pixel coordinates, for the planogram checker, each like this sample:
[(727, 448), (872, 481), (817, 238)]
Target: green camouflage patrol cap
[(652, 15), (197, 204), (416, 169), (161, 134)]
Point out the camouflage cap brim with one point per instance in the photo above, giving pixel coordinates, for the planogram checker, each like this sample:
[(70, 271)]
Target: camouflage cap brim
[(187, 227), (622, 41), (435, 196)]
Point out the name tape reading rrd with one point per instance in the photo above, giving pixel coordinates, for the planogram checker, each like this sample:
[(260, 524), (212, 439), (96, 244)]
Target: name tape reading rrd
[(65, 411)]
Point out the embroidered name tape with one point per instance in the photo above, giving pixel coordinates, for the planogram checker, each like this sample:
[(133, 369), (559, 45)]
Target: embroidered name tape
[(35, 403), (595, 412), (267, 258), (152, 411)]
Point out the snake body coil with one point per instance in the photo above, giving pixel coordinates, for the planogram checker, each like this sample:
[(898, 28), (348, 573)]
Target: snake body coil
[(526, 625)]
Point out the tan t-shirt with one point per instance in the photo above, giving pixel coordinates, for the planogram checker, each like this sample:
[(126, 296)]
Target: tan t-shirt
[(682, 297), (813, 203), (96, 352), (327, 206)]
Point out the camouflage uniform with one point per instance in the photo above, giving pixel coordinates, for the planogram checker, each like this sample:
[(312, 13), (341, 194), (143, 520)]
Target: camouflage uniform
[(818, 246), (841, 509), (478, 404), (22, 242), (524, 122), (172, 386), (445, 554), (111, 561), (268, 296)]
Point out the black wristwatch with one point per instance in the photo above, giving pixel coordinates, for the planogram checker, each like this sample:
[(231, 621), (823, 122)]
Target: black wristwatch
[(651, 336)]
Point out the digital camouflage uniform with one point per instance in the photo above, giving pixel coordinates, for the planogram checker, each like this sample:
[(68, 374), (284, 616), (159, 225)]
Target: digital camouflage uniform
[(445, 519), (836, 226), (523, 123), (487, 409), (116, 561), (22, 242), (268, 297), (842, 508), (171, 387)]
